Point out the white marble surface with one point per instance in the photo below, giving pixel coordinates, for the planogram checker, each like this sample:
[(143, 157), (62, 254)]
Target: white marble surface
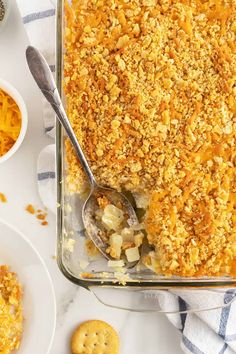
[(139, 333)]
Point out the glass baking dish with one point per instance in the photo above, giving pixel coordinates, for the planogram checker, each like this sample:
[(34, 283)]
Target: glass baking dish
[(137, 291)]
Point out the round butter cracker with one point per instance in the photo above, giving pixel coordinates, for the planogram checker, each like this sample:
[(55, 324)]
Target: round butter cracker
[(95, 337)]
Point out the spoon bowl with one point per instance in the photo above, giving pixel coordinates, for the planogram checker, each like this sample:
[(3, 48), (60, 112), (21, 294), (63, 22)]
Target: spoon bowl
[(94, 229)]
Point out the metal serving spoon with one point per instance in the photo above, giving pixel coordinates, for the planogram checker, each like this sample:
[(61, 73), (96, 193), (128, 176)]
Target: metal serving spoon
[(44, 79)]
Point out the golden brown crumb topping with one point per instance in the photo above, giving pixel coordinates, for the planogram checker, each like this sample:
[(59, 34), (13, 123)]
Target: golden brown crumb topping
[(151, 94), (11, 318)]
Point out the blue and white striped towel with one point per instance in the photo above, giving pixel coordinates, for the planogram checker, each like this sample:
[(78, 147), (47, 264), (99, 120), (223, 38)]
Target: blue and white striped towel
[(39, 20), (38, 17), (208, 332), (203, 332)]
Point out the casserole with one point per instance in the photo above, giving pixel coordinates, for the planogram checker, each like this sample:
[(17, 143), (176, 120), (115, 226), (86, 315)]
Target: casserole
[(72, 255)]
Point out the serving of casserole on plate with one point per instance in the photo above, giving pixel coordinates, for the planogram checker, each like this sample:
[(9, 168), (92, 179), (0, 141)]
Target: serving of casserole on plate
[(21, 315), (11, 318), (150, 90)]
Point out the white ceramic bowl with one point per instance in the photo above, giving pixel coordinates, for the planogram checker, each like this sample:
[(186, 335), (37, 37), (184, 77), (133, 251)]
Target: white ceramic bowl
[(8, 88)]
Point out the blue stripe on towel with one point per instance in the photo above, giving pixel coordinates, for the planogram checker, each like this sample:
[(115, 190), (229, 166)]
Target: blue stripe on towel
[(182, 307), (225, 313), (46, 175), (223, 349), (230, 337), (38, 15), (190, 346)]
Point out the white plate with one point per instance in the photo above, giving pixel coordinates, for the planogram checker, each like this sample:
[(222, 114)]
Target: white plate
[(39, 305)]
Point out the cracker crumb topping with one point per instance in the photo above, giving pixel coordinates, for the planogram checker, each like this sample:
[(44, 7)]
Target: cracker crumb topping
[(11, 317), (151, 95)]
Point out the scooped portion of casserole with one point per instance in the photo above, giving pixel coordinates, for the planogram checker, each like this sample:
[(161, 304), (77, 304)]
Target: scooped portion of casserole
[(11, 317), (151, 94)]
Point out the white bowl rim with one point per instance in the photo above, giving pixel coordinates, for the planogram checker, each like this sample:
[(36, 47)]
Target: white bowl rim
[(12, 91)]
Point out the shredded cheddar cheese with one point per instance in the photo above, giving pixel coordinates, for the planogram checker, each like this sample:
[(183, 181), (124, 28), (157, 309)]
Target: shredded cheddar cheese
[(10, 122)]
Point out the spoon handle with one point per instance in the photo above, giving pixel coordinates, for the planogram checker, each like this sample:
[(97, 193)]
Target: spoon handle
[(44, 79)]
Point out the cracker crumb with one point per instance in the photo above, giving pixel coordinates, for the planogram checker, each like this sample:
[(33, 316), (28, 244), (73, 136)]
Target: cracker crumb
[(3, 198), (41, 216), (30, 209), (87, 275), (44, 223)]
